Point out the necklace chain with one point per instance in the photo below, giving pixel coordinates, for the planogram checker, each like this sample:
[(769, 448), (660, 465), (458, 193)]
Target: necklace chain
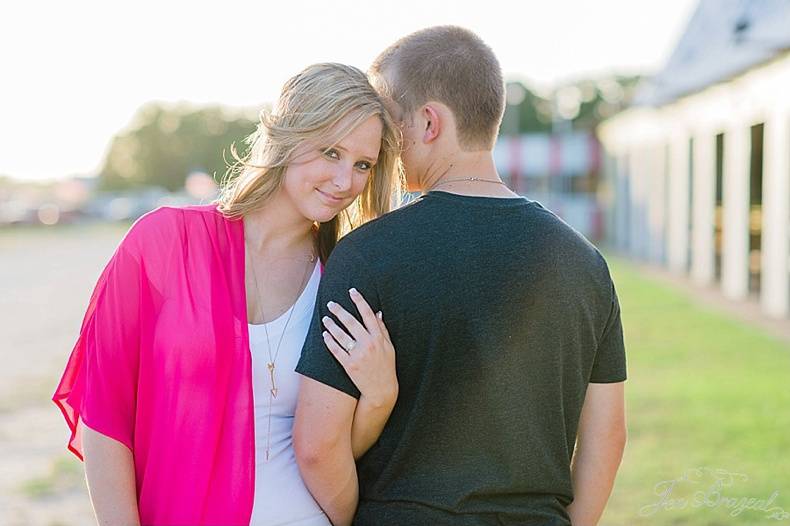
[(472, 179), (271, 364)]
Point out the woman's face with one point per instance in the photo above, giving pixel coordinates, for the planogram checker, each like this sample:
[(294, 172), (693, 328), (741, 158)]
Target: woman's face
[(323, 181)]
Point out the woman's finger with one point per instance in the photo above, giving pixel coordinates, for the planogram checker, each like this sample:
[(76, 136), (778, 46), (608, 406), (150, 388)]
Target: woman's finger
[(368, 317), (335, 348), (337, 332), (382, 325), (350, 323)]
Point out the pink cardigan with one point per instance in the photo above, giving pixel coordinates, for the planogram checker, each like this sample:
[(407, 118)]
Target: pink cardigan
[(162, 364)]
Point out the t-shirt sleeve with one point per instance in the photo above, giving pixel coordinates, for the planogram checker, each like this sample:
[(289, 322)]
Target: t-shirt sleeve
[(99, 384), (344, 270), (610, 365)]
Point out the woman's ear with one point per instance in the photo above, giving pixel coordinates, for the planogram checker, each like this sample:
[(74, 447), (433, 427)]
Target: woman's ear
[(432, 124)]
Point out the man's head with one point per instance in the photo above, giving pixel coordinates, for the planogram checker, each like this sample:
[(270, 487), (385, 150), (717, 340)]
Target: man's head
[(444, 86)]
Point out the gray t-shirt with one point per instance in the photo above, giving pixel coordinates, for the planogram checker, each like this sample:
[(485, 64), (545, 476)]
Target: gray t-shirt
[(500, 314)]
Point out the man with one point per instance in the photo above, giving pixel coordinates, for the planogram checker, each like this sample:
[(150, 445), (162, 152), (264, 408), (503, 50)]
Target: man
[(505, 322)]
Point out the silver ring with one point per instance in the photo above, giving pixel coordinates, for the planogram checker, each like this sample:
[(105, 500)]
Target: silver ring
[(350, 346)]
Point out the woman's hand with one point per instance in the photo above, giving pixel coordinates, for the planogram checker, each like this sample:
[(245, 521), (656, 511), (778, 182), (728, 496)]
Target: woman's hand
[(364, 350)]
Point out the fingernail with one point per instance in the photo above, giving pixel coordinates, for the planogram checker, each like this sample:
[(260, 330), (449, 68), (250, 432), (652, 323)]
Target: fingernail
[(353, 291), (331, 304), (379, 315), (325, 319), (325, 334)]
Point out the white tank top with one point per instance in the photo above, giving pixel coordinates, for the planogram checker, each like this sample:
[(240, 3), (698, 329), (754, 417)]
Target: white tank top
[(280, 494)]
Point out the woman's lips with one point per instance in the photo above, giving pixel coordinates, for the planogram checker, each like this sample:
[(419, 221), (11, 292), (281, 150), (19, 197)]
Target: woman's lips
[(331, 199)]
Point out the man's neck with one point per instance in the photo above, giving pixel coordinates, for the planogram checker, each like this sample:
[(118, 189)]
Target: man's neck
[(466, 173)]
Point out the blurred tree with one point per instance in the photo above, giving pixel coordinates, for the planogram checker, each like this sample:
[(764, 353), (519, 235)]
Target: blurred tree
[(523, 111), (582, 104), (601, 98), (164, 145)]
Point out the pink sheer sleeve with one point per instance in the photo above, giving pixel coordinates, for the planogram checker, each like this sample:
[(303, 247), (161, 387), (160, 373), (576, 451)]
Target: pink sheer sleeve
[(99, 385)]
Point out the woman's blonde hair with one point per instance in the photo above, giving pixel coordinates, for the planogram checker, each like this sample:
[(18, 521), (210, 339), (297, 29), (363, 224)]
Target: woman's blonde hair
[(320, 105)]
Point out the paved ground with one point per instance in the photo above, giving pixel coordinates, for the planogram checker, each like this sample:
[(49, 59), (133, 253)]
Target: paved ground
[(46, 276)]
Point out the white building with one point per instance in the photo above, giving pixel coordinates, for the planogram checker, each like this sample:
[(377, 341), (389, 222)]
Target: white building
[(698, 169)]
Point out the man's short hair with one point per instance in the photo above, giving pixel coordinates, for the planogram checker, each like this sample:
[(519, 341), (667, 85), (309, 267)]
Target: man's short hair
[(451, 65)]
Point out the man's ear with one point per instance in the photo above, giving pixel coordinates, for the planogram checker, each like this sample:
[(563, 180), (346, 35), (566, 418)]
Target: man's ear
[(432, 124)]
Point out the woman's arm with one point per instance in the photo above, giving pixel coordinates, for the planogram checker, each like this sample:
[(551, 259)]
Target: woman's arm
[(109, 469), (369, 419), (367, 355), (322, 444)]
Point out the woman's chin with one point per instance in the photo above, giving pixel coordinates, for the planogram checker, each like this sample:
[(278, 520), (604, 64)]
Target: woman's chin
[(322, 216), (322, 212)]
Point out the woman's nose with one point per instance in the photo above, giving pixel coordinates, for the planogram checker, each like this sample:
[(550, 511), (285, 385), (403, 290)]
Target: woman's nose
[(342, 177)]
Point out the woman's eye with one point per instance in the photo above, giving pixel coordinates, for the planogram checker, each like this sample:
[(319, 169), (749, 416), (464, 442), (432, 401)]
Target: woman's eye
[(332, 154), (364, 166)]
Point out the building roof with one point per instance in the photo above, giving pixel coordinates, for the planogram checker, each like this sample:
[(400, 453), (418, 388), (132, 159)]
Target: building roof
[(722, 39)]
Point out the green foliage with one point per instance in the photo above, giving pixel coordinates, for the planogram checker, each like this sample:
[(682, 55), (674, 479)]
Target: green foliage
[(165, 144)]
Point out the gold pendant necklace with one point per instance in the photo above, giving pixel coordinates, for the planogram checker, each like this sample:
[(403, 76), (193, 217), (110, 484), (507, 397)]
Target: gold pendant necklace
[(271, 364)]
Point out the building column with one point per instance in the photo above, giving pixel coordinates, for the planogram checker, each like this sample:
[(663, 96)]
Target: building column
[(644, 202), (735, 249), (702, 207), (662, 176), (652, 203), (636, 234), (677, 222), (620, 204), (776, 215)]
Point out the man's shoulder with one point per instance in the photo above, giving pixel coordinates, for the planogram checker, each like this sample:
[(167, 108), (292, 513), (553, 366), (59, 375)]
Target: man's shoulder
[(561, 232), (394, 223), (577, 260), (379, 238)]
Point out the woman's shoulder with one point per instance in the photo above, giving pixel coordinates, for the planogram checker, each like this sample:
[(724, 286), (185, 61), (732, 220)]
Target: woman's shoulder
[(167, 213), (168, 225)]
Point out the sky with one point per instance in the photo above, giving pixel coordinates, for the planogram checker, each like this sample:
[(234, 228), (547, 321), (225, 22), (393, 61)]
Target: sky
[(73, 74)]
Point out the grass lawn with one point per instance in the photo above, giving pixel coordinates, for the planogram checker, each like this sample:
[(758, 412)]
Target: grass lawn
[(704, 391)]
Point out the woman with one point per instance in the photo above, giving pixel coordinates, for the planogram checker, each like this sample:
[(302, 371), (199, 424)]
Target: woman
[(180, 390)]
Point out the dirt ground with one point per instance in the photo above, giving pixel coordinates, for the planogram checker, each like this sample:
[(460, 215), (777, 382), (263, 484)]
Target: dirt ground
[(46, 277)]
